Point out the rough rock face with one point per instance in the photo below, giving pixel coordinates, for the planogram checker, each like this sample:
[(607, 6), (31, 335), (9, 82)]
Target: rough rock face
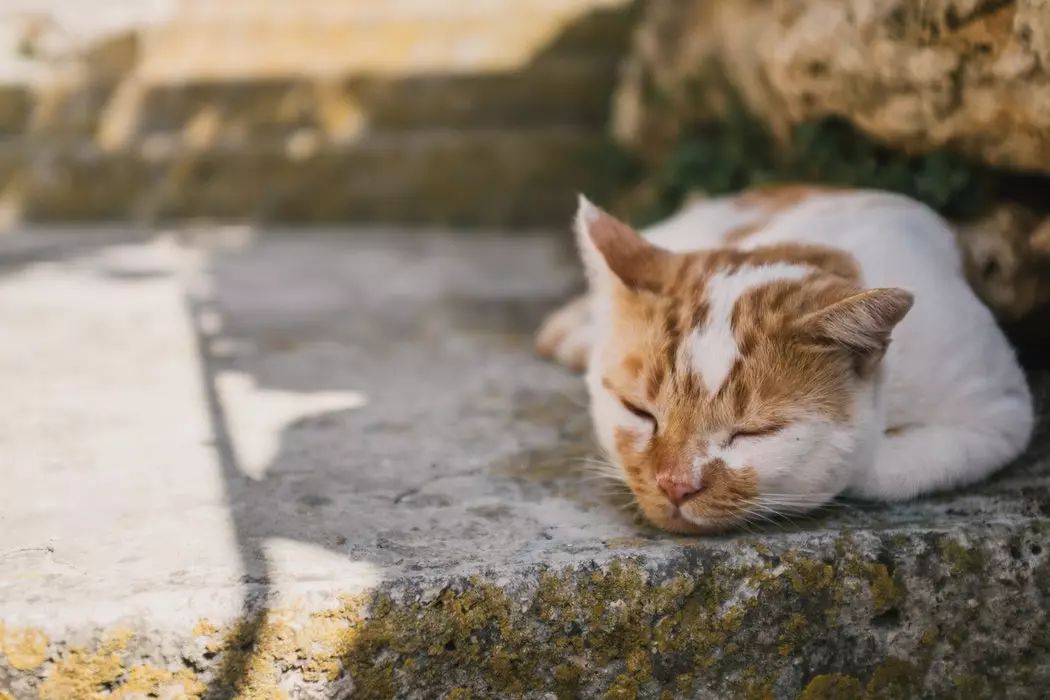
[(972, 75)]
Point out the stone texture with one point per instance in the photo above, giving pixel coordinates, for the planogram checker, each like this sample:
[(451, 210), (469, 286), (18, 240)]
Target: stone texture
[(967, 75), (300, 465)]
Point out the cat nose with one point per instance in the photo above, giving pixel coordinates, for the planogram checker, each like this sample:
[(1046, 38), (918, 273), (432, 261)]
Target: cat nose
[(679, 488)]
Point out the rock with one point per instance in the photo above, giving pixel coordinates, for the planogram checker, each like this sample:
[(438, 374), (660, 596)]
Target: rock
[(972, 76), (1007, 255), (381, 490)]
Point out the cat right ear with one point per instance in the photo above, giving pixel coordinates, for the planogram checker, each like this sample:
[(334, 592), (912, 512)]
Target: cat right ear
[(613, 252), (862, 323)]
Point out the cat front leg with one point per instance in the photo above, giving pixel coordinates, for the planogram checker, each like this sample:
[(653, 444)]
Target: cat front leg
[(920, 459), (565, 335)]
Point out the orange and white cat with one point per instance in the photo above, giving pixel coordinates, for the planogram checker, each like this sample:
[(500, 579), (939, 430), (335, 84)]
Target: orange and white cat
[(740, 363)]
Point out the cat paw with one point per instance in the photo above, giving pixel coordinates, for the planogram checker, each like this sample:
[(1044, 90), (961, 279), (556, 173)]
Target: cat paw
[(565, 335)]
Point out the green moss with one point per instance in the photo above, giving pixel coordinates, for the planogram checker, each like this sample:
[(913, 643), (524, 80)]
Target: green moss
[(929, 637), (738, 152), (753, 687), (615, 616), (887, 593), (567, 679), (961, 559), (625, 687), (894, 678), (795, 624), (808, 575), (472, 627), (971, 686), (714, 626), (832, 686)]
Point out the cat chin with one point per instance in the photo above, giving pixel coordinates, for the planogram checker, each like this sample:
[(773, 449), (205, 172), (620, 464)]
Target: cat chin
[(706, 525), (679, 522)]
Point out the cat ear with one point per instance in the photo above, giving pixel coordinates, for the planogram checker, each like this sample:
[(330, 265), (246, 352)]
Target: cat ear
[(862, 323), (613, 251)]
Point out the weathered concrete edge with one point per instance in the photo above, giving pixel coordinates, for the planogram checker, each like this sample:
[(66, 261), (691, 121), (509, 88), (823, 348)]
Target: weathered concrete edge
[(881, 614)]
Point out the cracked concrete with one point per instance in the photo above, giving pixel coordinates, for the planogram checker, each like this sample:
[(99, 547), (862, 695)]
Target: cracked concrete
[(301, 464)]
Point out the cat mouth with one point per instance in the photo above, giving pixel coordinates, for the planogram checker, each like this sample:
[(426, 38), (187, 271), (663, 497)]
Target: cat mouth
[(677, 523)]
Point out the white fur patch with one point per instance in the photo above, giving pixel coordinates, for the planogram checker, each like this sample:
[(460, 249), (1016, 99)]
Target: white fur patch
[(586, 212), (702, 225), (712, 347)]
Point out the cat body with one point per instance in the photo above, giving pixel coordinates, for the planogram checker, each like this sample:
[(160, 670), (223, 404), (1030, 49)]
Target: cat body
[(740, 363)]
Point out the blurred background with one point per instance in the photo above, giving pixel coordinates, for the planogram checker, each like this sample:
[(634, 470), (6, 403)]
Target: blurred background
[(488, 113)]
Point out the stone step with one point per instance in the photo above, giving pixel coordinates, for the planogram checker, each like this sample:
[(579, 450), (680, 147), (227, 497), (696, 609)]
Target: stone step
[(561, 91), (271, 42), (558, 92), (521, 178), (356, 11), (16, 106)]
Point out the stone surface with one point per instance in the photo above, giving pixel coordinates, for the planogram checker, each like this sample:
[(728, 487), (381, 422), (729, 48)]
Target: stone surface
[(971, 76), (300, 465)]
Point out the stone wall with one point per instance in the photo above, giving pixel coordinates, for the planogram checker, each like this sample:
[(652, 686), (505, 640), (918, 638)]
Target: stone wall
[(973, 75)]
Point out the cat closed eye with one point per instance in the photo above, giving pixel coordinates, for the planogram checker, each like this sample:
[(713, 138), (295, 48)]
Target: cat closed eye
[(760, 431), (639, 412)]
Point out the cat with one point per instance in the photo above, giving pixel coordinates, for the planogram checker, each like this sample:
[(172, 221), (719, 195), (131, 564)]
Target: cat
[(739, 360)]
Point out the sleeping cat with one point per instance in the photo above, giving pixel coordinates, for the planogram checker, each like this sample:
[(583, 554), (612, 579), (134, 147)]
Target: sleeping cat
[(740, 363)]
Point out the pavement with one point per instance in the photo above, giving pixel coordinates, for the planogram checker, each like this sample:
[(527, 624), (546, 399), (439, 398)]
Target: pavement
[(314, 463)]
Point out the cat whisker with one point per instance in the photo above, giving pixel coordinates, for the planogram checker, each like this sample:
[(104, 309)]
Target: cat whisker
[(808, 502), (591, 461), (593, 474), (768, 515), (805, 496), (750, 515)]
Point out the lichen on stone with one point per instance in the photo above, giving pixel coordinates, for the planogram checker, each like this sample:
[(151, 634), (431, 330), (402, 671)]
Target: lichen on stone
[(832, 686), (24, 647), (960, 558), (726, 621), (83, 673)]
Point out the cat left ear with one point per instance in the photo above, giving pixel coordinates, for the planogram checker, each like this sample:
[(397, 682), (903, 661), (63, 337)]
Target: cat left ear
[(613, 250), (862, 323)]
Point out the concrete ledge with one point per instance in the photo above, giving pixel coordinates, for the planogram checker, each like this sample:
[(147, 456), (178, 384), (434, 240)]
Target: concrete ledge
[(354, 476)]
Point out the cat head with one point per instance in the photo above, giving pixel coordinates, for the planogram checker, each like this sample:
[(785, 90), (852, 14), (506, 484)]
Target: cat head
[(727, 385)]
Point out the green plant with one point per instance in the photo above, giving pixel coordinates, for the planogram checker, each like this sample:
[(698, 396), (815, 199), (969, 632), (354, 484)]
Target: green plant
[(739, 153)]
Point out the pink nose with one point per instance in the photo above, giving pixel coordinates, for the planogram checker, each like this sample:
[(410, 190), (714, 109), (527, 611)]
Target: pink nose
[(678, 487)]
